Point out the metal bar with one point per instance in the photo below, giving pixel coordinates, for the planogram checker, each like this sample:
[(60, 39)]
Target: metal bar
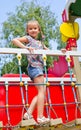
[(17, 79), (46, 52)]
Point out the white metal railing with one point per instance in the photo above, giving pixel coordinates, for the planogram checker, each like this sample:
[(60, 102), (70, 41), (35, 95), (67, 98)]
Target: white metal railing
[(46, 52), (50, 79)]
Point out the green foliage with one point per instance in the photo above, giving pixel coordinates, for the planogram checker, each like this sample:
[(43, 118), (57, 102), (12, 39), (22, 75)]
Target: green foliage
[(16, 24), (10, 67), (13, 67)]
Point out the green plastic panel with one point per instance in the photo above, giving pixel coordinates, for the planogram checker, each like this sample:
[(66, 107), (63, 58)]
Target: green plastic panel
[(75, 9)]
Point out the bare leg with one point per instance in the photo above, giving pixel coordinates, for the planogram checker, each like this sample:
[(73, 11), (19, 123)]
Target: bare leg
[(41, 95), (39, 99), (32, 105)]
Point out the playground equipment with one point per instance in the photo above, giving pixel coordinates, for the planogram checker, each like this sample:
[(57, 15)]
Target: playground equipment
[(15, 96), (70, 34), (62, 103)]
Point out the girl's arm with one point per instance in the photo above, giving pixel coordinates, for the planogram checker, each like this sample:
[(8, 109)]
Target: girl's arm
[(19, 42)]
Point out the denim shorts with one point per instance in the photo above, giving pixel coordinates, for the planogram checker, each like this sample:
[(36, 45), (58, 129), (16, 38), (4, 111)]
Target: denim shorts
[(33, 72)]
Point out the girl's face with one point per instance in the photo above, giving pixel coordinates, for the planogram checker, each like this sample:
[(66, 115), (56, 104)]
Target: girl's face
[(33, 30)]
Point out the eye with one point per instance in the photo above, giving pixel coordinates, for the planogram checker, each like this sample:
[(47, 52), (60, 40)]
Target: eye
[(30, 28), (35, 28)]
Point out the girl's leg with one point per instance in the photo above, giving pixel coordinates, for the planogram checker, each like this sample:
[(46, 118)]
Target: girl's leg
[(40, 100), (32, 105), (41, 95), (28, 114)]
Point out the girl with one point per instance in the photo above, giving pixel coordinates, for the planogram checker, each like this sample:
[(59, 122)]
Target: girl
[(35, 68)]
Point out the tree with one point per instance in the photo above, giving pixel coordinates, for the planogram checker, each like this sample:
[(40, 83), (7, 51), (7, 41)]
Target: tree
[(16, 23)]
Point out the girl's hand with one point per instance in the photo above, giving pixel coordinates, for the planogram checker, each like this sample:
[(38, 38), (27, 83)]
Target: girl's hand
[(31, 50), (63, 50)]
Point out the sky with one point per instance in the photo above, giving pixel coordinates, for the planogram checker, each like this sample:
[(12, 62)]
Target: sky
[(57, 7)]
